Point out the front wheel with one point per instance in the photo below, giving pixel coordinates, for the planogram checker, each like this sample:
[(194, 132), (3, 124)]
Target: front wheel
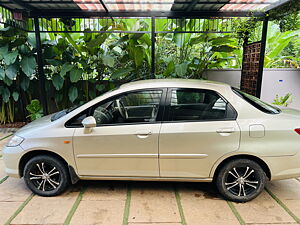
[(241, 180), (46, 175)]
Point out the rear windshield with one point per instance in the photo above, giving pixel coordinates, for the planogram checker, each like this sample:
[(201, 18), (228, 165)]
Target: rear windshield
[(256, 102)]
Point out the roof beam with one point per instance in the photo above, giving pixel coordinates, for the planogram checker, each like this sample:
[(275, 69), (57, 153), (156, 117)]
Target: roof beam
[(192, 4), (170, 14), (276, 5), (105, 8), (141, 2), (23, 5)]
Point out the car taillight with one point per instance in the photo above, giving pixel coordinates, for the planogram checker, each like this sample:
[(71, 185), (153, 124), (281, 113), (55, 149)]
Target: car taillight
[(298, 130)]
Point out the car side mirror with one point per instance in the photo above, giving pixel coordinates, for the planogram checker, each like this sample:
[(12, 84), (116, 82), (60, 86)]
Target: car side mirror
[(89, 122)]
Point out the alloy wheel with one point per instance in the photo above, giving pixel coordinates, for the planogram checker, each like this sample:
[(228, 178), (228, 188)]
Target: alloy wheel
[(45, 177), (242, 181)]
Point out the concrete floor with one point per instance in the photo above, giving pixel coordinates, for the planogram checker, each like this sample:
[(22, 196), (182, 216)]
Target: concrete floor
[(145, 203)]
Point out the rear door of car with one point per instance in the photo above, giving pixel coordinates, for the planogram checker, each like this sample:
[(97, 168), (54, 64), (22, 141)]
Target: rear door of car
[(200, 126)]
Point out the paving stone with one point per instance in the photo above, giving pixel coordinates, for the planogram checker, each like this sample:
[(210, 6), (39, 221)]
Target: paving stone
[(288, 191), (47, 210), (272, 223), (13, 190), (99, 212), (105, 191), (155, 223), (202, 205), (3, 143), (3, 135), (7, 209), (153, 203), (2, 169), (263, 209)]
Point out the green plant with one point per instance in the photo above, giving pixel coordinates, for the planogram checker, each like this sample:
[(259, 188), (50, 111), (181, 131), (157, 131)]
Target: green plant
[(282, 48), (35, 110), (283, 100)]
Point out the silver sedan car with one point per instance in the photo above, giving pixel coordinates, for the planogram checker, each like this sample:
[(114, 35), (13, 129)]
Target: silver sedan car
[(161, 130)]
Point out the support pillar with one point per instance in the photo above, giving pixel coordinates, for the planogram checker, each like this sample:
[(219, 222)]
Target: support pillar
[(40, 62), (153, 40), (262, 56)]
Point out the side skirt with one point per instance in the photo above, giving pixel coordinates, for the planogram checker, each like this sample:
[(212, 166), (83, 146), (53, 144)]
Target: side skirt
[(147, 178)]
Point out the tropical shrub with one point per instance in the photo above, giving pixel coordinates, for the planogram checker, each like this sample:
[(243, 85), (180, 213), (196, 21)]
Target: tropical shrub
[(35, 110), (283, 100), (81, 66)]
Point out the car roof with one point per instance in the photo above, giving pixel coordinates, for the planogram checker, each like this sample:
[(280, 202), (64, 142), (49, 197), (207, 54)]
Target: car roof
[(179, 83)]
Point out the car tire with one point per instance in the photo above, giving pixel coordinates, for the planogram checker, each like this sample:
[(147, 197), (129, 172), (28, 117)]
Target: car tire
[(240, 180), (46, 175)]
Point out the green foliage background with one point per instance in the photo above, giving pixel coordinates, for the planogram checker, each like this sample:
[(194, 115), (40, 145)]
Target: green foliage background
[(79, 66)]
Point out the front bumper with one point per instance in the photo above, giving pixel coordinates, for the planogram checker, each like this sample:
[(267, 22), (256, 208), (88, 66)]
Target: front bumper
[(11, 157)]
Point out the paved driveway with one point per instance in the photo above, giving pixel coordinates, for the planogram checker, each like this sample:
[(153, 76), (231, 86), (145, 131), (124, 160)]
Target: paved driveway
[(145, 203)]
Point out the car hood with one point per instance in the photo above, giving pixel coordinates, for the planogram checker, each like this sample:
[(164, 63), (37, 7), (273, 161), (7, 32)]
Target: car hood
[(35, 125)]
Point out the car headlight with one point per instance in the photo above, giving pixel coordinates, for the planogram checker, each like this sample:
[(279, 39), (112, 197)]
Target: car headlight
[(15, 141)]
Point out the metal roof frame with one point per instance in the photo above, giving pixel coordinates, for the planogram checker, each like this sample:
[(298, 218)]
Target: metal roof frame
[(187, 8)]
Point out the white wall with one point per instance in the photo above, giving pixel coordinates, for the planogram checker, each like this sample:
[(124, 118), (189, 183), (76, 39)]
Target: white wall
[(275, 82), (229, 76)]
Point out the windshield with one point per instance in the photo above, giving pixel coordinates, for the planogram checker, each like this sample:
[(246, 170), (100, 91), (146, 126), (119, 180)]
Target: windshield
[(64, 112), (256, 102)]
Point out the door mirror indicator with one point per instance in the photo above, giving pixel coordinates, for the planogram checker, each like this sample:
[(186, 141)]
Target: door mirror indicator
[(89, 122)]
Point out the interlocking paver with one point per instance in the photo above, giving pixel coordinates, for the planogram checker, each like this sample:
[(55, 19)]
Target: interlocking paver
[(2, 171), (102, 203), (3, 143), (105, 191), (288, 191), (155, 223), (47, 210), (13, 190), (263, 209), (3, 135), (202, 205), (153, 202), (99, 212), (7, 209)]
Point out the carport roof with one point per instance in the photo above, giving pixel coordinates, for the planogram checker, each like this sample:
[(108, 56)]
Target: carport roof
[(134, 8)]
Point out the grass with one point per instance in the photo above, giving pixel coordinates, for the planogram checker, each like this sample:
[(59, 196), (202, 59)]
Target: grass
[(283, 206), (127, 206), (180, 208), (5, 137), (74, 207), (236, 213), (22, 206), (3, 179)]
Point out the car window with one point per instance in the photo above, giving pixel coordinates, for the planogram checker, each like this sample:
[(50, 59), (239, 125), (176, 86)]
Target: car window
[(191, 104), (257, 103), (134, 107)]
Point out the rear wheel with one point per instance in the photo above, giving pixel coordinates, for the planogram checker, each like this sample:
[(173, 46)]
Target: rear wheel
[(241, 180), (46, 175)]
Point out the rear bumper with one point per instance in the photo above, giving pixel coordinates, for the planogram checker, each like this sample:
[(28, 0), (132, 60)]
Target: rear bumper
[(284, 167), (11, 157)]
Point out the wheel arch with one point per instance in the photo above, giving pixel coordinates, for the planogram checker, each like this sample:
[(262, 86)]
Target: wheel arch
[(27, 156), (258, 160)]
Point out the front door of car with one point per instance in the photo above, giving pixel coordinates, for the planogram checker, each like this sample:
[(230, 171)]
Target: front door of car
[(200, 127), (125, 140)]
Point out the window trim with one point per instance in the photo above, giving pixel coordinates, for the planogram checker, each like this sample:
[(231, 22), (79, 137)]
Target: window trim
[(237, 91), (158, 119), (167, 113)]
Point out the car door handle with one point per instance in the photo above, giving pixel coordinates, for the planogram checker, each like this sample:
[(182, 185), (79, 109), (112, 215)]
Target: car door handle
[(226, 130), (143, 134)]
